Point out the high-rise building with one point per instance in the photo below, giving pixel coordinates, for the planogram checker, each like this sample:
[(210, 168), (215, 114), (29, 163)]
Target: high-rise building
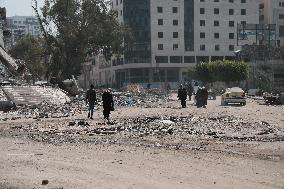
[(172, 35), (20, 26), (272, 12)]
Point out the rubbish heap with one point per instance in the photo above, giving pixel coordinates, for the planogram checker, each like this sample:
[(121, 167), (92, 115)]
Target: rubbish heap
[(148, 130)]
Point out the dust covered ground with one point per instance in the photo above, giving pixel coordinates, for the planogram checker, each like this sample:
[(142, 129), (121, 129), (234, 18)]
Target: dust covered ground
[(151, 145)]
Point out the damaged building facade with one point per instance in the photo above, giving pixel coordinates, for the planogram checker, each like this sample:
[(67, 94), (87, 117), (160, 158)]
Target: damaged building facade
[(272, 12), (20, 26), (171, 36), (2, 45)]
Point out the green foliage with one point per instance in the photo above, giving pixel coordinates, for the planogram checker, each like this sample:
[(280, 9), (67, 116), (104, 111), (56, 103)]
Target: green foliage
[(227, 71), (202, 72), (31, 50), (75, 28)]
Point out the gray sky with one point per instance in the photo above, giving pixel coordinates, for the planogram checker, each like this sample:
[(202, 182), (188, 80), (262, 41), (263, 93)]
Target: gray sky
[(19, 7)]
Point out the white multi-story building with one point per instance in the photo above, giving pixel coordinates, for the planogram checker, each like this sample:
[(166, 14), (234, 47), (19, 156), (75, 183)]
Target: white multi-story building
[(272, 12), (172, 35), (20, 26)]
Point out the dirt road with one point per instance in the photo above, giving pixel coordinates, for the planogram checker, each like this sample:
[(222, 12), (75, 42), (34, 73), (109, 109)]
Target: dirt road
[(24, 164)]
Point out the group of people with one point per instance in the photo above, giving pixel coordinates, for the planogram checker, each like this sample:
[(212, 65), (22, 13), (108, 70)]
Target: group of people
[(91, 100), (201, 95)]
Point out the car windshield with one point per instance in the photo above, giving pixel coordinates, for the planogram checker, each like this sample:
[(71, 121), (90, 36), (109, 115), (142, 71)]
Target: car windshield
[(235, 90)]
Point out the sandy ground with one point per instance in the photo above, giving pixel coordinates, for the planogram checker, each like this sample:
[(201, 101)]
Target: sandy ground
[(205, 162)]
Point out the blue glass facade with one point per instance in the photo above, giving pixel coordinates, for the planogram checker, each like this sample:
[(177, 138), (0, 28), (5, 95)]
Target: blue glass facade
[(136, 15), (189, 25)]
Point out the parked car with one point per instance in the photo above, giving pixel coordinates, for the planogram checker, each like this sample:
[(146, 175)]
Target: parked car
[(273, 98), (233, 95)]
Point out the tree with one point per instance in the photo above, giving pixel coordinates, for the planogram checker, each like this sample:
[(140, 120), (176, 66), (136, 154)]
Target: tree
[(31, 51), (73, 29), (226, 71), (202, 72)]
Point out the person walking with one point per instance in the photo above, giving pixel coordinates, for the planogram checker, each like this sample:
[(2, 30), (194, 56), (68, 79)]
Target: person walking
[(108, 104), (198, 97), (189, 90), (91, 99), (182, 95), (204, 97)]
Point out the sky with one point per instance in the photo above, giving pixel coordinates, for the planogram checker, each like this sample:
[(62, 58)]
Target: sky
[(19, 7)]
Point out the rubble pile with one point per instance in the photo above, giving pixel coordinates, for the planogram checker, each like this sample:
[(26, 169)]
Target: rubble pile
[(148, 130), (2, 95), (45, 110), (32, 95), (146, 100), (60, 105)]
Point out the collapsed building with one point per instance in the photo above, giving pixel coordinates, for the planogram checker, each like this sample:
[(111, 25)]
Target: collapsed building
[(261, 50), (18, 92)]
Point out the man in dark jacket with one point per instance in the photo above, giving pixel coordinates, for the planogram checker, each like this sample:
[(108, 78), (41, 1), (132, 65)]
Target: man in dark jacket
[(182, 95), (189, 90), (107, 103), (91, 99)]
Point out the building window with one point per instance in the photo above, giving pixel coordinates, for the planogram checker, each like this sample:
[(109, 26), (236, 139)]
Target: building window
[(202, 59), (261, 6), (231, 11), (217, 47), (243, 1), (175, 34), (202, 35), (160, 22), (116, 2), (160, 47), (216, 11), (202, 10), (216, 23), (162, 59), (243, 22), (231, 35), (175, 46), (243, 11), (202, 0), (175, 22), (202, 22), (160, 9), (261, 17), (231, 47), (216, 1), (281, 31), (160, 34), (175, 59), (202, 47), (175, 9), (231, 1), (120, 1), (189, 59), (281, 16), (231, 24), (216, 35)]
